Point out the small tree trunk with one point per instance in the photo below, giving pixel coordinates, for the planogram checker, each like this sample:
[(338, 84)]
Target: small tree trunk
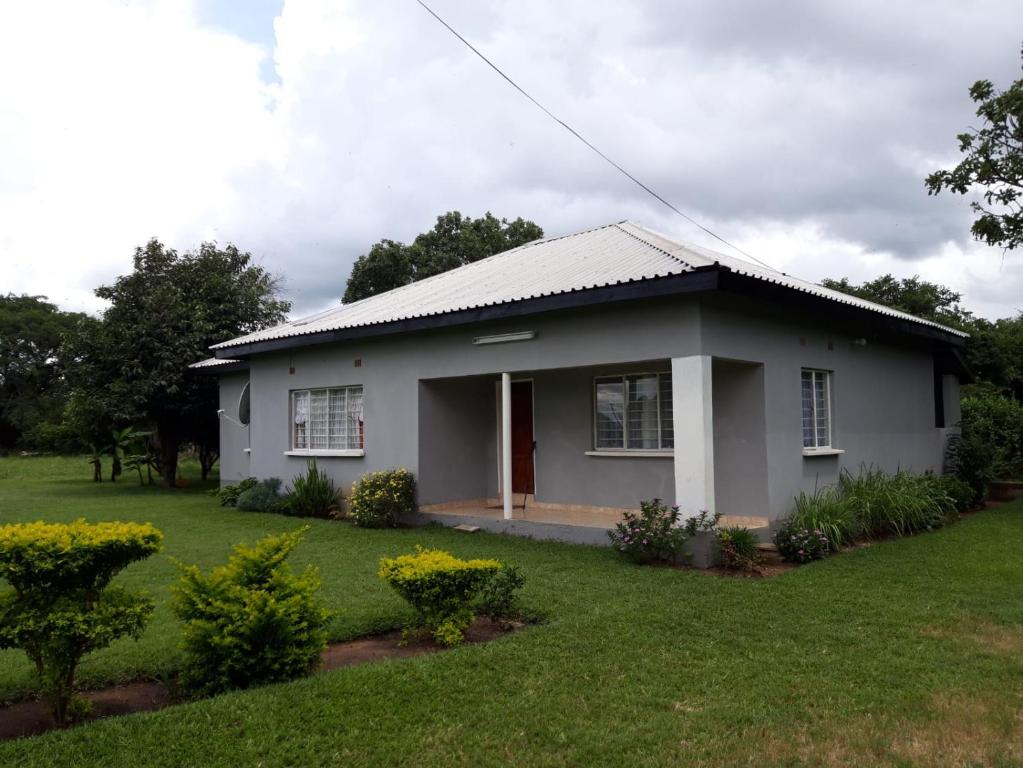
[(170, 443), (97, 471)]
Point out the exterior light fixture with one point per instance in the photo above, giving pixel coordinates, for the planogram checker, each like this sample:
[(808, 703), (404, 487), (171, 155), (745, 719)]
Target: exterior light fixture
[(502, 338)]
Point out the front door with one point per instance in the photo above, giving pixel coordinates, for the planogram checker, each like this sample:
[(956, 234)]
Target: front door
[(522, 437)]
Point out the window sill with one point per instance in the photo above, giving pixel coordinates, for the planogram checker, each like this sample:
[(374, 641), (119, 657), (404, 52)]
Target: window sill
[(634, 454), (352, 453), (822, 451)]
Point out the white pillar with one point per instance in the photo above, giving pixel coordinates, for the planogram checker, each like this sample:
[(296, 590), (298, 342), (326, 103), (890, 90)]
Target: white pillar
[(506, 445), (693, 417)]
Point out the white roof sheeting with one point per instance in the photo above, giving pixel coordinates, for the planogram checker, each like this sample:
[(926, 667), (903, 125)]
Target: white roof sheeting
[(610, 255), (211, 362)]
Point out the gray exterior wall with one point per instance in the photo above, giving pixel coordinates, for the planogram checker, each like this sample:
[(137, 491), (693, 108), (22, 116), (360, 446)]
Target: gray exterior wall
[(882, 395), (430, 403), (391, 371)]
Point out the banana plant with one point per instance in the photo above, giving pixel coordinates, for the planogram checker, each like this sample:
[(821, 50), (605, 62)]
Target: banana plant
[(96, 460), (123, 441)]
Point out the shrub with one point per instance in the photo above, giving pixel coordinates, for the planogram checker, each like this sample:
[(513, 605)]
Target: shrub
[(972, 459), (998, 422), (62, 606), (738, 550), (826, 511), (441, 588), (498, 598), (650, 535), (379, 499), (800, 545), (313, 494), (962, 494), (264, 496), (251, 621), (228, 495)]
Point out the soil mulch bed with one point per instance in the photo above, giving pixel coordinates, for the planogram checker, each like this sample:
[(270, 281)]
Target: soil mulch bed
[(766, 571), (30, 718)]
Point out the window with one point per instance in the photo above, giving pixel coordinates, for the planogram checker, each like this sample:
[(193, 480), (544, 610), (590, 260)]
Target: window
[(327, 419), (816, 401), (633, 413)]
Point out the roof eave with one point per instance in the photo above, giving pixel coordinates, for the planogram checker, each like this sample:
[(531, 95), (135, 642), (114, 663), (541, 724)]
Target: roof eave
[(697, 280)]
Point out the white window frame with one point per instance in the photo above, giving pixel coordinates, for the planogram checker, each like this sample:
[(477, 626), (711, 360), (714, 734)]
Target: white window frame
[(818, 448), (347, 451), (624, 449)]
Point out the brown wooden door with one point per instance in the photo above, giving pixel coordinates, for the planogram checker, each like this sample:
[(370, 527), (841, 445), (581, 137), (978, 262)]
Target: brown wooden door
[(522, 437)]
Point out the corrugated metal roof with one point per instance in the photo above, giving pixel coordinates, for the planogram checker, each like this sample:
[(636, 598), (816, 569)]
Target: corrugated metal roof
[(610, 255), (210, 362)]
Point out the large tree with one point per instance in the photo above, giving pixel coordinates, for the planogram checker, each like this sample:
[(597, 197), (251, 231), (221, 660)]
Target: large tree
[(163, 316), (33, 388), (910, 294), (454, 241), (994, 163)]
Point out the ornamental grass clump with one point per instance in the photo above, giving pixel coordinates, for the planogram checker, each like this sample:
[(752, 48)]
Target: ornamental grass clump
[(380, 499), (738, 549), (62, 606), (894, 504), (313, 494), (251, 621), (441, 588)]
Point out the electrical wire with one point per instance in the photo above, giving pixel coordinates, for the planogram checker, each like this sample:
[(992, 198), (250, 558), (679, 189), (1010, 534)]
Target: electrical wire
[(581, 138)]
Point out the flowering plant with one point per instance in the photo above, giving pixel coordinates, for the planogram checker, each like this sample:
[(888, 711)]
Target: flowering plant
[(651, 534), (797, 544), (380, 499)]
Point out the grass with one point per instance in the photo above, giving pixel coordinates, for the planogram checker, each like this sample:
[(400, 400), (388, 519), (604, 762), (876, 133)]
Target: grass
[(908, 652)]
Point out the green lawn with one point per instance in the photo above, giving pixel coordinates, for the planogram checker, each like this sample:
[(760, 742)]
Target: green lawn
[(905, 653)]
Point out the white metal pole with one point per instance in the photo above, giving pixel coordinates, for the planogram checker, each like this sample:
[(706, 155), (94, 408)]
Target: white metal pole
[(506, 444)]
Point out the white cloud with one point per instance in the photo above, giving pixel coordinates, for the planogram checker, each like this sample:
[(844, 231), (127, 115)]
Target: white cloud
[(801, 134)]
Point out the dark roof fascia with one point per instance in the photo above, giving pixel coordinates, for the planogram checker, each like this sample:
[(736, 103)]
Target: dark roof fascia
[(695, 281), (830, 309)]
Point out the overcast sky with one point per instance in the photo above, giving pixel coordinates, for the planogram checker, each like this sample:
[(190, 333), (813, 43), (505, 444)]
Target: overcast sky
[(305, 130)]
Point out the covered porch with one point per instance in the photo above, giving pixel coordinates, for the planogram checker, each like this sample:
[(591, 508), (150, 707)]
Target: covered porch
[(580, 446)]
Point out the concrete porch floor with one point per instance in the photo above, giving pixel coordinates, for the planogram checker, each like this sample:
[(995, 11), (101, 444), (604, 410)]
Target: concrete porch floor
[(586, 517)]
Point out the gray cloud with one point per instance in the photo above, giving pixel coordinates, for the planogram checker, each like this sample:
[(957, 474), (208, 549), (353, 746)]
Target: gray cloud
[(773, 122)]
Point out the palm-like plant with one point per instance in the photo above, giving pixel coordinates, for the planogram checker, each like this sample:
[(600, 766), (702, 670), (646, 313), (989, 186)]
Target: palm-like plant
[(123, 441)]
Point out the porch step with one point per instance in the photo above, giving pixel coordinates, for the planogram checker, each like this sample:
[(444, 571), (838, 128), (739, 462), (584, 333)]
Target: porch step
[(769, 552)]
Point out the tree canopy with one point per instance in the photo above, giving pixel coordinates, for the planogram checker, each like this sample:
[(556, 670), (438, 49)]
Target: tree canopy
[(454, 241), (32, 382), (910, 294), (994, 161), (162, 317)]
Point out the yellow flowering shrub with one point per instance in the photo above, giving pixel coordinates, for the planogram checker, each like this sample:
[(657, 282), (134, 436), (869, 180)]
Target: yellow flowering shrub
[(440, 587), (61, 606), (379, 499)]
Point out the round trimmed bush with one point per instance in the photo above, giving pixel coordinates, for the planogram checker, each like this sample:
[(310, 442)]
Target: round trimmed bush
[(379, 499)]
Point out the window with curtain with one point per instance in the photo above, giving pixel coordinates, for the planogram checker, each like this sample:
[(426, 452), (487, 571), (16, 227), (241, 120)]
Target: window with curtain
[(327, 419), (816, 404), (633, 412)]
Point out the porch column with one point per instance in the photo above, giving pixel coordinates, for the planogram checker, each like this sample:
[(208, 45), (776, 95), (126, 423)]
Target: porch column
[(692, 414), (506, 445)]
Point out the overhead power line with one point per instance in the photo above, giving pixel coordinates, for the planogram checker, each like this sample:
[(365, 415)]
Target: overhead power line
[(581, 138)]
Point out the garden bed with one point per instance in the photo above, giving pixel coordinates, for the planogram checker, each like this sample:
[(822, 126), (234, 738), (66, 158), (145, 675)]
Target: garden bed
[(30, 718)]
